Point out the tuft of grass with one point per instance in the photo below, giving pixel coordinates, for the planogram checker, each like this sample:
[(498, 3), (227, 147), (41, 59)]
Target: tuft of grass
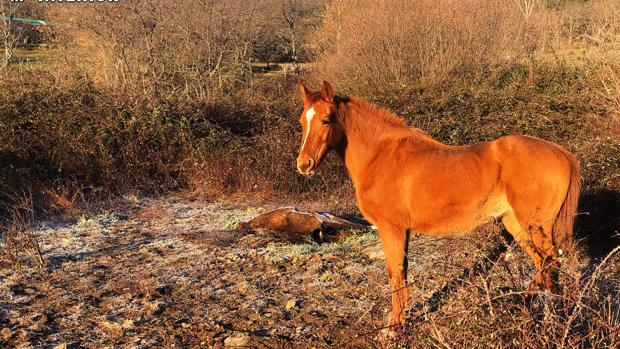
[(232, 223), (102, 220)]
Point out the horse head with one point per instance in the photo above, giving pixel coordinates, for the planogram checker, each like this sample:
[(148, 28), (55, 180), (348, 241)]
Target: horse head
[(321, 131)]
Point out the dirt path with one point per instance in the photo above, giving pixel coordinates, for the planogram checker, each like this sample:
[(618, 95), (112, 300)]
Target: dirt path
[(172, 272)]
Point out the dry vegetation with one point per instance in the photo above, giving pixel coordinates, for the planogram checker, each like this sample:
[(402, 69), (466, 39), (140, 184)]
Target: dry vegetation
[(146, 98)]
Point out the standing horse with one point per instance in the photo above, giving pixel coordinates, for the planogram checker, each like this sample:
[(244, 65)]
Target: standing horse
[(407, 181)]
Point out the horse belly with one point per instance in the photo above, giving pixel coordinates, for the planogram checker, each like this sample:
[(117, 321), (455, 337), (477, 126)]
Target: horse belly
[(462, 219), (491, 211)]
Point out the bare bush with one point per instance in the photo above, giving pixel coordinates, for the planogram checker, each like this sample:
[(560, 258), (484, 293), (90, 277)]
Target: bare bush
[(527, 7), (490, 308), (389, 45), (19, 244), (200, 49), (604, 24), (603, 32), (161, 52), (606, 80)]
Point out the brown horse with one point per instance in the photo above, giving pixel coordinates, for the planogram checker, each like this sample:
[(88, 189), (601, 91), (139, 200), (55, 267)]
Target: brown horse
[(407, 181)]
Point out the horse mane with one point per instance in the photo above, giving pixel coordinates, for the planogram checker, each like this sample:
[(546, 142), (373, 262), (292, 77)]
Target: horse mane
[(378, 120)]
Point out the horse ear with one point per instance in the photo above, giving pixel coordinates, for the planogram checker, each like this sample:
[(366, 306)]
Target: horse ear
[(305, 93), (327, 92)]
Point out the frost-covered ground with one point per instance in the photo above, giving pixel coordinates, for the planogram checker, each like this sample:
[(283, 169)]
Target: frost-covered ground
[(173, 272)]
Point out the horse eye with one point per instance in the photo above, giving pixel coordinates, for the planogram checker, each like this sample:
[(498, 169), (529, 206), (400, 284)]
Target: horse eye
[(325, 121)]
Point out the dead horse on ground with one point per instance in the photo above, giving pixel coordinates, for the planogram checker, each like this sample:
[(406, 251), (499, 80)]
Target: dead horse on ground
[(407, 181)]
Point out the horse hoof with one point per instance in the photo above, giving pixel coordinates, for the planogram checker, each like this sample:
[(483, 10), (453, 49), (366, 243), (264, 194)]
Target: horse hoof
[(386, 335), (389, 333)]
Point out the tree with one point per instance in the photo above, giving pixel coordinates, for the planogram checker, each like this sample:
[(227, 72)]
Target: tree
[(299, 17), (10, 34)]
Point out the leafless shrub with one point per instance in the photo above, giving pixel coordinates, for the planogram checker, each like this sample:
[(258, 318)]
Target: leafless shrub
[(19, 244), (493, 309), (607, 82), (603, 32), (526, 7), (612, 323), (604, 24), (154, 49), (391, 45)]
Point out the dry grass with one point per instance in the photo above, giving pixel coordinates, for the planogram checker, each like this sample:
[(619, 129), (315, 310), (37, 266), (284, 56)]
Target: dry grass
[(607, 80), (19, 241), (486, 311), (388, 47)]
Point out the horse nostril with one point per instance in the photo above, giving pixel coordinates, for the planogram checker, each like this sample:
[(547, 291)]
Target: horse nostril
[(310, 164)]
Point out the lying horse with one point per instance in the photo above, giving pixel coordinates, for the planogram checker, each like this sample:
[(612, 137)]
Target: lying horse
[(407, 181)]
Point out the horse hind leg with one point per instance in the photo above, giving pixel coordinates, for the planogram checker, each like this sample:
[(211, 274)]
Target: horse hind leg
[(537, 242), (547, 276)]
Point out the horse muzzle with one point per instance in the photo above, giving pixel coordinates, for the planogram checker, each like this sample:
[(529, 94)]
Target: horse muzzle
[(305, 165)]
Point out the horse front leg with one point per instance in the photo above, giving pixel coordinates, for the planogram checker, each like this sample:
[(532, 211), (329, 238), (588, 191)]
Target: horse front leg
[(395, 242)]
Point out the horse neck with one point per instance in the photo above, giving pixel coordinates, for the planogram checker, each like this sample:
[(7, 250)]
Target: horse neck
[(367, 130)]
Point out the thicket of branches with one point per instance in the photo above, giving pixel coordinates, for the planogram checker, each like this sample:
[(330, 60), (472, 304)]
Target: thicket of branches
[(196, 50), (148, 96)]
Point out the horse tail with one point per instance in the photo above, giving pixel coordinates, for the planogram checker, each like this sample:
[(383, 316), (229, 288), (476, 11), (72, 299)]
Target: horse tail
[(564, 222)]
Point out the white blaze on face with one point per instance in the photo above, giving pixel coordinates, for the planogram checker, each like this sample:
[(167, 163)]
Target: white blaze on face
[(309, 115)]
